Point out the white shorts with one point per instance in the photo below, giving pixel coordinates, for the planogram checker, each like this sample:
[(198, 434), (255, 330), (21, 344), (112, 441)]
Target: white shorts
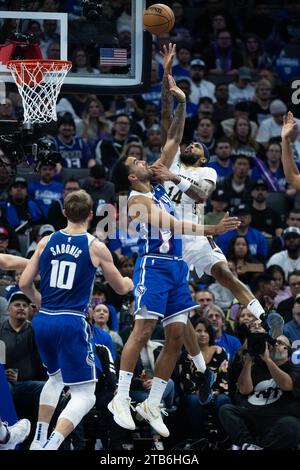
[(179, 318), (202, 253)]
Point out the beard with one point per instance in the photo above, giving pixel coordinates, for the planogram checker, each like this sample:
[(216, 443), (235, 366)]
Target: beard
[(189, 158)]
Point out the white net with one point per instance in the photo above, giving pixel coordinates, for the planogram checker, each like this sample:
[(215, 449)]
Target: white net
[(39, 83)]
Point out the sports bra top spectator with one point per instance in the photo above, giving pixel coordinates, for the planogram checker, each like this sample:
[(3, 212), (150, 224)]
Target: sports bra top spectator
[(283, 291), (246, 266), (222, 58), (242, 141)]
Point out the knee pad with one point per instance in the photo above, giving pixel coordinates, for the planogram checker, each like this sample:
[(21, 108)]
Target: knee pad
[(51, 391), (82, 400)]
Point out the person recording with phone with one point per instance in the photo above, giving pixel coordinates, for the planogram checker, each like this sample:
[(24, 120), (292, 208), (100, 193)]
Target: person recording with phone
[(269, 385)]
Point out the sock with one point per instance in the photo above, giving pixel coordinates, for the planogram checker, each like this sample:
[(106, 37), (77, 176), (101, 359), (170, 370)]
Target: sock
[(3, 432), (255, 308), (54, 441), (124, 383), (157, 391), (199, 362), (41, 432)]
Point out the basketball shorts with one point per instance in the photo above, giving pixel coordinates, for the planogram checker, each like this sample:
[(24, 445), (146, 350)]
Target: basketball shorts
[(63, 344), (161, 287), (202, 253)]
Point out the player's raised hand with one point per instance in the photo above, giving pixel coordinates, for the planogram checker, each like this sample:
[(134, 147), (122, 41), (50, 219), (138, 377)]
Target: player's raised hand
[(289, 126), (227, 223), (168, 54), (175, 90), (161, 172)]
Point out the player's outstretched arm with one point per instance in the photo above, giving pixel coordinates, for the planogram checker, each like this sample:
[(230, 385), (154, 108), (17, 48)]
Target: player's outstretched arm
[(167, 101), (175, 131), (144, 210), (290, 169), (30, 273), (12, 262), (101, 257)]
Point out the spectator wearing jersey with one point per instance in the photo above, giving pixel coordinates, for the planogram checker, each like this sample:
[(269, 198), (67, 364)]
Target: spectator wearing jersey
[(221, 161), (19, 208), (75, 152), (222, 58), (47, 189), (256, 240)]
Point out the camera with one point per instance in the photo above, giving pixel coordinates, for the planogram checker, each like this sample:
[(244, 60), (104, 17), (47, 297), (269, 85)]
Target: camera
[(92, 10), (256, 343)]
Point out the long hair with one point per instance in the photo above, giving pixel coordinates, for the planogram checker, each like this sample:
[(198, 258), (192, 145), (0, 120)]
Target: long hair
[(209, 328), (231, 249), (235, 142)]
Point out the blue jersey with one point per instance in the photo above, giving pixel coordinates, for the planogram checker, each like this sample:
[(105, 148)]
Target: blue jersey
[(155, 240), (75, 154), (67, 274)]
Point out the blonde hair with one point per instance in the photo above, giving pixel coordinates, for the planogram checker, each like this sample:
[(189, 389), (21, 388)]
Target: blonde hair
[(78, 206)]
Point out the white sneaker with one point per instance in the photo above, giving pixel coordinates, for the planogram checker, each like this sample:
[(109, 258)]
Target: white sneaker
[(120, 408), (17, 434), (36, 445), (251, 447), (152, 414)]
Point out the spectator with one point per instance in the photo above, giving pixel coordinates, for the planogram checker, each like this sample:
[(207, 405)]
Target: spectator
[(256, 240), (241, 139), (43, 231), (219, 202), (264, 218), (19, 209), (223, 57), (269, 417), (53, 51), (292, 220), (254, 56), (271, 127), (5, 176), (153, 94), (134, 149), (5, 240), (264, 289), (285, 307), (100, 189), (181, 29), (153, 144), (82, 62), (95, 125), (102, 319), (7, 111), (260, 105), (49, 35), (241, 89), (241, 109), (292, 328), (56, 216), (243, 317), (46, 190), (185, 84), (283, 291), (182, 69), (199, 86), (75, 152), (288, 259), (221, 161), (216, 317), (245, 265), (272, 168), (238, 185), (205, 134), (222, 109), (151, 117), (216, 359)]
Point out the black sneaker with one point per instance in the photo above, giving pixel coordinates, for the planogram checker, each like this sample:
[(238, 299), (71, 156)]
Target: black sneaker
[(204, 382)]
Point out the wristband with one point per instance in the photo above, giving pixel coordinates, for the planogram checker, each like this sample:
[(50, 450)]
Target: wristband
[(181, 101), (184, 185)]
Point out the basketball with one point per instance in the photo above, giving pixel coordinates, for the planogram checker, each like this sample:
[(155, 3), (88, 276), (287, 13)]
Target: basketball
[(159, 19)]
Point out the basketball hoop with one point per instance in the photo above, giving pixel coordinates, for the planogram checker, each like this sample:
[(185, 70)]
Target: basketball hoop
[(39, 82)]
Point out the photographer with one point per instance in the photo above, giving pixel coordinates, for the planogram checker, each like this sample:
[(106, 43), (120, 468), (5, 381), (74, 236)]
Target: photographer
[(269, 384)]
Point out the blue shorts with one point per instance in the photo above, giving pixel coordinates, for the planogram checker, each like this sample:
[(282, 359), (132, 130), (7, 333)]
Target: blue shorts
[(63, 344), (161, 286)]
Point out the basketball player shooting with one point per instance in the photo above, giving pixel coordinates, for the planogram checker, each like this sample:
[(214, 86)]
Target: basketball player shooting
[(160, 276), (67, 261)]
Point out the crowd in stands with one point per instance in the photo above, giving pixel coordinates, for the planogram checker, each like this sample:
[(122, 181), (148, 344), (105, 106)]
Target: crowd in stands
[(228, 64)]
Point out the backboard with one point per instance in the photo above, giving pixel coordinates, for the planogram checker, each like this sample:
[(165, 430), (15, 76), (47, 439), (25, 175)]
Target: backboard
[(110, 51)]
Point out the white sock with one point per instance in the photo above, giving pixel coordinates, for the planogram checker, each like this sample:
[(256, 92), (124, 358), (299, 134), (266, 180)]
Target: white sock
[(157, 391), (124, 383), (3, 432), (199, 362), (255, 308), (41, 432), (54, 441)]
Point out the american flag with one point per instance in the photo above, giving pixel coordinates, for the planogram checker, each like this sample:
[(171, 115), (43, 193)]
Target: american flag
[(110, 56)]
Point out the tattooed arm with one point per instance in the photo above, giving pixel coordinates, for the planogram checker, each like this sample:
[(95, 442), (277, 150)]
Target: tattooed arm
[(167, 101)]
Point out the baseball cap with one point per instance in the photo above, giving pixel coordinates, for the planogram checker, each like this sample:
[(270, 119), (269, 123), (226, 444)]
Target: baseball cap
[(198, 62), (4, 232), (153, 128), (46, 229), (278, 107), (291, 230), (19, 180), (205, 99), (15, 295), (219, 195), (242, 209), (258, 183), (245, 73)]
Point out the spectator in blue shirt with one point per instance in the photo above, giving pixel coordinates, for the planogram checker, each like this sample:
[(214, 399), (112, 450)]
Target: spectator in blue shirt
[(257, 242), (47, 190), (292, 328), (216, 317), (221, 161), (19, 208)]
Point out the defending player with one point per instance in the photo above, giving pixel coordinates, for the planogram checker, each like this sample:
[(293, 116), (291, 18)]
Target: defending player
[(67, 261)]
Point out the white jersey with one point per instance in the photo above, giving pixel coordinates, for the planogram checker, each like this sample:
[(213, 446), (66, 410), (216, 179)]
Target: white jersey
[(186, 207)]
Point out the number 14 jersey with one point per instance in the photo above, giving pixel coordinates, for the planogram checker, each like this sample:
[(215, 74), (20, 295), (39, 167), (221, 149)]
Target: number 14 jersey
[(67, 273)]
